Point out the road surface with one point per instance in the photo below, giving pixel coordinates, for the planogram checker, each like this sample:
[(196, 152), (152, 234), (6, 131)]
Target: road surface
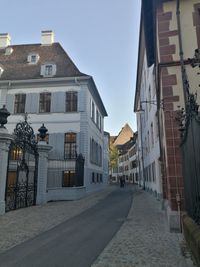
[(78, 241)]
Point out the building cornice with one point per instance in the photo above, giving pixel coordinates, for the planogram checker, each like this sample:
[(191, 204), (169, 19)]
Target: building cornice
[(44, 81)]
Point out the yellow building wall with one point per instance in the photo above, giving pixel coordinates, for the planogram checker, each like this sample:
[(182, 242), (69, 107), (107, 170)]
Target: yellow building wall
[(189, 44), (189, 38)]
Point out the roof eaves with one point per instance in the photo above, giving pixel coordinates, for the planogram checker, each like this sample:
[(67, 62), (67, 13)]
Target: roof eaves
[(90, 78)]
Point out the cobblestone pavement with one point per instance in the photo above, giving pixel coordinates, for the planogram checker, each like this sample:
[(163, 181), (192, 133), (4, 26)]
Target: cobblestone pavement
[(20, 225), (144, 239)]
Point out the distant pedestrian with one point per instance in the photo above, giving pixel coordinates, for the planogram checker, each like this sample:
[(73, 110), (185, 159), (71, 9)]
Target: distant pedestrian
[(121, 182)]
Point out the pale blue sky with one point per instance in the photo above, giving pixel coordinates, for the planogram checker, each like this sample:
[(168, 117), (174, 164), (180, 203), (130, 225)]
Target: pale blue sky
[(101, 37)]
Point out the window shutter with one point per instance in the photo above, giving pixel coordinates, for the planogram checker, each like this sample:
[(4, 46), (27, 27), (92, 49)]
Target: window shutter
[(10, 103), (53, 69), (32, 103), (81, 100), (78, 143), (56, 140), (81, 143), (42, 70), (58, 102)]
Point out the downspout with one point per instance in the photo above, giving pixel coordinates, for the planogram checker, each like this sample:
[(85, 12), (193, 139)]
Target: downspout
[(183, 69), (142, 152), (7, 89), (185, 89)]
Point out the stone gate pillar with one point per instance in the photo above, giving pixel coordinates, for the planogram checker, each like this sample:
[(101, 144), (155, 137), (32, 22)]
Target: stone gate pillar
[(5, 140), (43, 152)]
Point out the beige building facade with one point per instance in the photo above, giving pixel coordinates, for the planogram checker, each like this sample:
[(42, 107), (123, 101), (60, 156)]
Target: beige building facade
[(169, 35)]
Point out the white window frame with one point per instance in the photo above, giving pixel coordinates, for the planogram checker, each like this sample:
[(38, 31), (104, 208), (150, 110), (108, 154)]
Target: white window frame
[(46, 73), (30, 58)]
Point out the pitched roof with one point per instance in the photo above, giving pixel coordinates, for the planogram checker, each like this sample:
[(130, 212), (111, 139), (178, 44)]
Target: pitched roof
[(124, 135), (16, 66)]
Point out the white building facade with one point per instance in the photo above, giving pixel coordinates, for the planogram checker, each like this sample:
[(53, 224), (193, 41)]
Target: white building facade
[(127, 161), (148, 134), (42, 81)]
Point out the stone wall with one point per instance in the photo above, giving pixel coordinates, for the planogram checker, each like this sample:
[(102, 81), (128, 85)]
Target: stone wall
[(192, 235)]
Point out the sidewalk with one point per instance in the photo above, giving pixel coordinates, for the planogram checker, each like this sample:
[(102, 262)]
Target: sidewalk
[(144, 239)]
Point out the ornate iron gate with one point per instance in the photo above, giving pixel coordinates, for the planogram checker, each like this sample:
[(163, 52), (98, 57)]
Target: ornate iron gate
[(21, 185)]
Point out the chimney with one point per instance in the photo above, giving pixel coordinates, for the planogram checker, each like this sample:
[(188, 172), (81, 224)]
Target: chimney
[(47, 38), (4, 40)]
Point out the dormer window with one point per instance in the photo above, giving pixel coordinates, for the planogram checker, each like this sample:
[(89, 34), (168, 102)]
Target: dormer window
[(48, 70), (8, 51), (33, 58)]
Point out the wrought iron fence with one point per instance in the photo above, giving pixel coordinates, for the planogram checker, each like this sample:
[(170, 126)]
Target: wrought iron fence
[(190, 133)]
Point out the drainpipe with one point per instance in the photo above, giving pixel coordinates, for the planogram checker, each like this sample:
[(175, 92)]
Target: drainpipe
[(183, 70), (185, 89), (142, 152)]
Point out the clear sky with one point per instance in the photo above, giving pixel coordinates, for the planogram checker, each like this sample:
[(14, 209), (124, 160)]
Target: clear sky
[(101, 37)]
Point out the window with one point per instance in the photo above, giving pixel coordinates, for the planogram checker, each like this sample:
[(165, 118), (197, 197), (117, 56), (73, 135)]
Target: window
[(69, 178), (93, 177), (20, 100), (149, 97), (156, 125), (100, 123), (48, 70), (148, 142), (71, 101), (152, 135), (70, 146), (95, 153), (45, 102), (93, 111), (97, 118), (33, 58), (153, 172)]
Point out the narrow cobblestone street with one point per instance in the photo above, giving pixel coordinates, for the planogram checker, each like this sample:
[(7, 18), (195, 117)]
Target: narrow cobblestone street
[(143, 239)]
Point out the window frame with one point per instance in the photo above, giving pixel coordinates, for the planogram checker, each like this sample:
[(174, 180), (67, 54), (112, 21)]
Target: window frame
[(71, 101), (70, 179), (45, 104), (48, 70), (31, 56), (19, 104), (70, 144)]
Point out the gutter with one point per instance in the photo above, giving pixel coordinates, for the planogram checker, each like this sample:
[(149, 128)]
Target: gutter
[(43, 80)]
